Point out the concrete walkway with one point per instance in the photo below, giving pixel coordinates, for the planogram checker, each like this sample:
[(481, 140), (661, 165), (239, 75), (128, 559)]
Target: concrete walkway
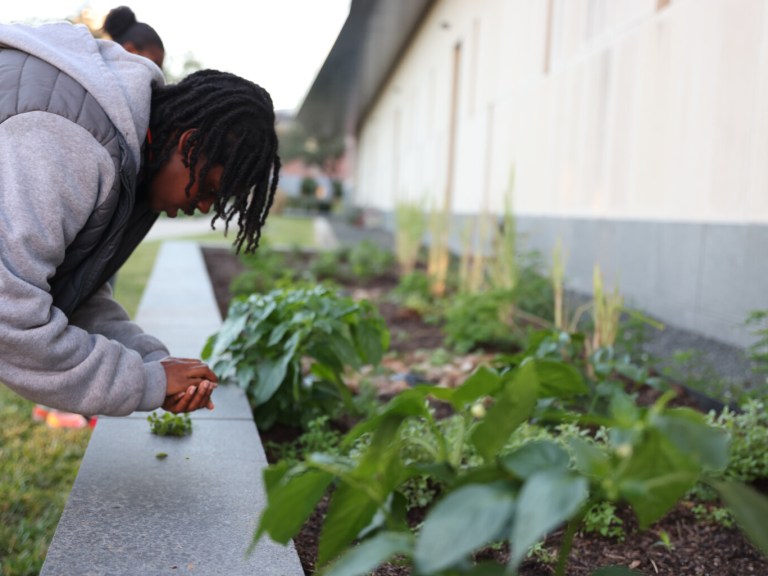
[(194, 511), (169, 228)]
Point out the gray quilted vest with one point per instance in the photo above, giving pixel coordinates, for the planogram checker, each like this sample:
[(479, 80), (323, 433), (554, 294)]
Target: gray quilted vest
[(121, 221)]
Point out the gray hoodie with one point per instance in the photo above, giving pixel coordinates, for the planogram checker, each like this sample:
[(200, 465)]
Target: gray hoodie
[(53, 174)]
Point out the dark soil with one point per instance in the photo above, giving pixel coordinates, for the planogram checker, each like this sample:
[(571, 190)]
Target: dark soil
[(698, 548)]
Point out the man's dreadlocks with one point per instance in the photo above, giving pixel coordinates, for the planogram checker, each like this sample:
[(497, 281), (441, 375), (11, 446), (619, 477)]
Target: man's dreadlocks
[(234, 125)]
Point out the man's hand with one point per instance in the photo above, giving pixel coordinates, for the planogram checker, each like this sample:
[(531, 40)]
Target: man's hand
[(189, 385), (194, 398)]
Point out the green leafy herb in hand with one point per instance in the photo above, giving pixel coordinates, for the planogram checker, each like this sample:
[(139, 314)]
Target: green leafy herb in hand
[(170, 424)]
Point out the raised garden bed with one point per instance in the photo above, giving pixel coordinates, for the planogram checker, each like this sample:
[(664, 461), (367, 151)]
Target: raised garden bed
[(681, 543)]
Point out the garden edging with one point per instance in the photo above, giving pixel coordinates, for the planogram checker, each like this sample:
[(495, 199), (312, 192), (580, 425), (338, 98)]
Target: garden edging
[(194, 510)]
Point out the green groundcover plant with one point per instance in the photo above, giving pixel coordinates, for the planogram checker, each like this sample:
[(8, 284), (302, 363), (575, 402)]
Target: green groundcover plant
[(497, 491), (170, 424), (288, 349)]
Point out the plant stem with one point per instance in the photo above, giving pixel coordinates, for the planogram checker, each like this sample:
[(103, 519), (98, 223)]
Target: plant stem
[(570, 533)]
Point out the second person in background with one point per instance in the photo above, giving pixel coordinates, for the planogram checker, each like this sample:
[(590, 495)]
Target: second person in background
[(136, 37)]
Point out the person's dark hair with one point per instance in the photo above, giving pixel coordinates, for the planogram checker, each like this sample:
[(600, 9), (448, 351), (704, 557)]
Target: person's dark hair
[(122, 27), (234, 125)]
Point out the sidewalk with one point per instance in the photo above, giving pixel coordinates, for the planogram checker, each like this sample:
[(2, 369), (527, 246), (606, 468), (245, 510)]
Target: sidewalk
[(166, 228)]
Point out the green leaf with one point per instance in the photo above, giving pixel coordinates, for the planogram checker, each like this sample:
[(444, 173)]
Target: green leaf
[(514, 406), (337, 465), (536, 456), (344, 350), (277, 334), (381, 463), (274, 474), (589, 459), (369, 340), (349, 512), (616, 571), (325, 355), (483, 474), (205, 354), (750, 508), (624, 410), (440, 471), (290, 502), (656, 476), (246, 375), (559, 379), (270, 375), (547, 499), (230, 331), (690, 433), (463, 521), (411, 402), (483, 382), (364, 558)]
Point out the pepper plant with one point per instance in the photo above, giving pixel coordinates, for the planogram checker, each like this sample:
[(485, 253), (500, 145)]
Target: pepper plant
[(288, 349), (648, 457)]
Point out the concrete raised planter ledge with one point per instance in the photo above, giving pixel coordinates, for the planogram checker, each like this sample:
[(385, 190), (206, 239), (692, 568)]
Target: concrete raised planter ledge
[(195, 511)]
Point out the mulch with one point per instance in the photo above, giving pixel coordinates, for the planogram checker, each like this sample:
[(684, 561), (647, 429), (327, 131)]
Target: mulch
[(697, 548)]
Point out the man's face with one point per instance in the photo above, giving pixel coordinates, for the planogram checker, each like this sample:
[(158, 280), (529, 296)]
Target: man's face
[(167, 190)]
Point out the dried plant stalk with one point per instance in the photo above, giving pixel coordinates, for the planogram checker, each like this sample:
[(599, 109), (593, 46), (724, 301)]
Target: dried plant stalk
[(606, 313), (558, 284), (409, 233), (467, 254), (505, 272), (439, 256)]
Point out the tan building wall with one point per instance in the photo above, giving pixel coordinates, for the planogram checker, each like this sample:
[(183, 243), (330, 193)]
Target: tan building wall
[(606, 111)]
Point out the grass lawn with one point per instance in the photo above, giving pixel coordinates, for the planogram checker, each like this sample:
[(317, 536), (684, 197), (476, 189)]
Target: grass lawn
[(38, 465), (37, 468)]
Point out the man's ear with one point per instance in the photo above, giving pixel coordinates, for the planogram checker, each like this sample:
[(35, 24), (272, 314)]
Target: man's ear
[(183, 142)]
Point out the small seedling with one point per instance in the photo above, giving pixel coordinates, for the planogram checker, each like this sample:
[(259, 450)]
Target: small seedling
[(170, 424), (665, 541)]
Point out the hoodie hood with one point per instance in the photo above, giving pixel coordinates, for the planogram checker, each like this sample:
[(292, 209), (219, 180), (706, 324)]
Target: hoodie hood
[(120, 82)]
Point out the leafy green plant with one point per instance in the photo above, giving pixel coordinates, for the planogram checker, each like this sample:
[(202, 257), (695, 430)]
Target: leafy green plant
[(499, 317), (170, 424), (289, 348), (473, 320), (757, 353), (318, 437), (716, 514), (533, 294), (413, 292), (602, 519), (328, 264), (748, 432), (367, 260), (262, 271), (665, 540), (649, 458)]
